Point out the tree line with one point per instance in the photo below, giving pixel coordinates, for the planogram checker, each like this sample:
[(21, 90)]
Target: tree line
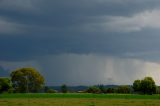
[(145, 86), (29, 80)]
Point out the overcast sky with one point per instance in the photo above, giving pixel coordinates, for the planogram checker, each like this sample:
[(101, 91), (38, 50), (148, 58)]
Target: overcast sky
[(82, 42)]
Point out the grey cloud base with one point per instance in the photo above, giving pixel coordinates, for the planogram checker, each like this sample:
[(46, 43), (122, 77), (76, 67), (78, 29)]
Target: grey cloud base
[(74, 69)]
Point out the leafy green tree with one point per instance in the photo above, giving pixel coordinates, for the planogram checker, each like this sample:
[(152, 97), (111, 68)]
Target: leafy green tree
[(93, 89), (137, 85), (148, 85), (145, 86), (27, 80), (64, 88), (5, 85)]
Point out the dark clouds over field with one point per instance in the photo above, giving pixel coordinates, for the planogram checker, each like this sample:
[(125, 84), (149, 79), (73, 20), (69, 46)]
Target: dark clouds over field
[(71, 40)]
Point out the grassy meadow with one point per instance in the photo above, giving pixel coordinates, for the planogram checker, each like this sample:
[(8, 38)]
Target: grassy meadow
[(70, 99)]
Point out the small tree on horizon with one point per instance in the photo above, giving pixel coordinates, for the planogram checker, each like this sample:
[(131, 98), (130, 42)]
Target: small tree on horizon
[(93, 89), (125, 89), (64, 88), (102, 88)]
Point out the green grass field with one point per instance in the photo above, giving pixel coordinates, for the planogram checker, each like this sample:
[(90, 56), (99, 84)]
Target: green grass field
[(79, 100)]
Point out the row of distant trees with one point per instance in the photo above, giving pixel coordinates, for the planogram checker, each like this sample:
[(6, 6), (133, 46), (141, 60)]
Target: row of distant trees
[(144, 86), (29, 80)]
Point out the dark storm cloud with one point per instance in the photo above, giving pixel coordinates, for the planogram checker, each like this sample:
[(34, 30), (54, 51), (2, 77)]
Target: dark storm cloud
[(62, 13), (133, 45), (36, 28)]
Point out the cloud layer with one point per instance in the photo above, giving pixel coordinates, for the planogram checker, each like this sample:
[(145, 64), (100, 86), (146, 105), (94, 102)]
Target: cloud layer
[(35, 29)]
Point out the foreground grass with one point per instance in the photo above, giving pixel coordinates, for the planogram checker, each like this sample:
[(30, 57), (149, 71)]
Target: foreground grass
[(78, 102), (80, 95), (72, 99)]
